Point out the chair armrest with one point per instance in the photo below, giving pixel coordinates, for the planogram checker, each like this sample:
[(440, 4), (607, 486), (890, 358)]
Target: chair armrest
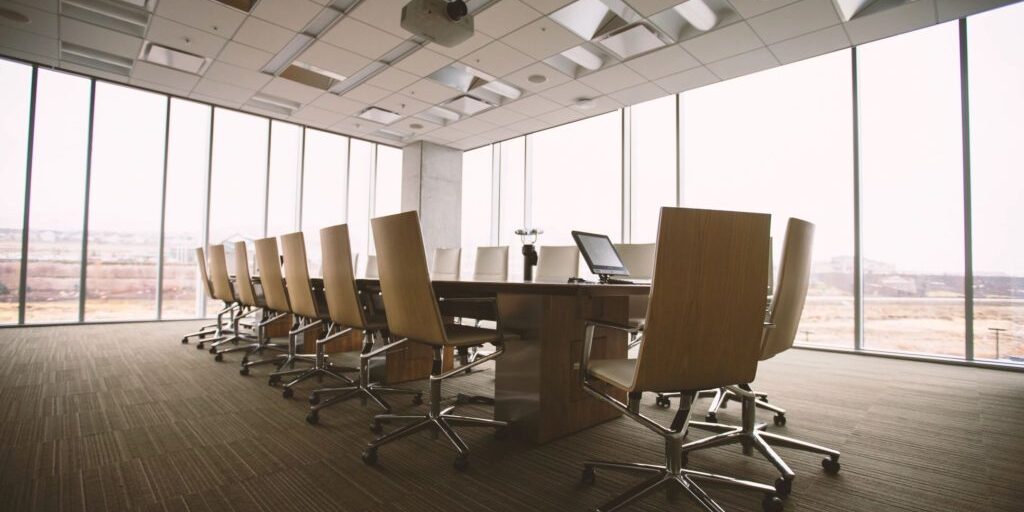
[(612, 325)]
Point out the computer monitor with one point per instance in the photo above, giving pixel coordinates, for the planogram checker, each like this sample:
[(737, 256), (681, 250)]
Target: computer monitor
[(600, 255)]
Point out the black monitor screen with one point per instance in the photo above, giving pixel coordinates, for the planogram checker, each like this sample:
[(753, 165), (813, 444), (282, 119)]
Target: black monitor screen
[(600, 254)]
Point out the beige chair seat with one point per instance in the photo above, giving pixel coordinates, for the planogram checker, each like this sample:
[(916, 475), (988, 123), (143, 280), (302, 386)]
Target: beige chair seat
[(467, 335), (617, 372)]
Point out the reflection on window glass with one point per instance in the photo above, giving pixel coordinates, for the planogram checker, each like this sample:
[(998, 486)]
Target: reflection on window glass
[(324, 197), (188, 162), (125, 192), (653, 151), (360, 171), (512, 176), (781, 142), (15, 97), (58, 197), (912, 192), (994, 42), (477, 166), (285, 169), (577, 180)]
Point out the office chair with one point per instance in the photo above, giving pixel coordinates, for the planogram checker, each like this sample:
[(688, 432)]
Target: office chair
[(216, 330), (253, 304), (220, 281), (777, 336), (704, 321), (371, 267), (639, 260), (447, 264), (557, 263), (413, 314), (349, 309), (309, 315), (491, 265)]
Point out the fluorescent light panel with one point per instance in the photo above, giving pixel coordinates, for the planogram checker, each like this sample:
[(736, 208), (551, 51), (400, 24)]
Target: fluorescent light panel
[(241, 5), (632, 41), (698, 14), (122, 17), (379, 115), (467, 105), (177, 59), (96, 59)]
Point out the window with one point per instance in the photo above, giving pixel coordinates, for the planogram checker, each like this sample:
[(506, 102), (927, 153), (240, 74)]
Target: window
[(285, 178), (781, 142), (360, 170), (912, 192), (324, 187), (996, 72), (477, 168), (388, 188), (188, 165), (15, 98), (653, 139), (511, 202), (57, 198)]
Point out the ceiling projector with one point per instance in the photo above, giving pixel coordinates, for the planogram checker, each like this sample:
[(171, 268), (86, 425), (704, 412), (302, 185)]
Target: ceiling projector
[(442, 22)]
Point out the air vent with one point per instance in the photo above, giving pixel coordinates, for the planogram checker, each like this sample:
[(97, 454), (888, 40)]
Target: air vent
[(92, 58), (593, 19), (241, 5), (396, 135), (176, 59), (473, 81), (127, 17), (379, 115), (311, 75), (438, 115), (632, 41), (467, 105), (694, 17)]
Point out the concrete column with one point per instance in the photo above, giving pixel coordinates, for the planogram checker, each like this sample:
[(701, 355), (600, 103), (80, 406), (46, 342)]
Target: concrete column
[(432, 185)]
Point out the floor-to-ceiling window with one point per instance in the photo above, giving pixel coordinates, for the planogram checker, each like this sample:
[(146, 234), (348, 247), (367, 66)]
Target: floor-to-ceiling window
[(360, 172), (996, 72), (912, 192), (477, 171), (15, 101), (653, 144), (285, 178), (325, 189), (511, 201)]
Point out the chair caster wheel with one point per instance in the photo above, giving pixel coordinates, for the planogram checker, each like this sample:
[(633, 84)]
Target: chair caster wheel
[(780, 420), (461, 399), (213, 350), (588, 477), (771, 504), (313, 418), (370, 456), (273, 380), (501, 433), (199, 346), (184, 341), (376, 428), (711, 418), (218, 357), (417, 399), (461, 463), (783, 487), (287, 392), (831, 465), (663, 401), (314, 398), (243, 371)]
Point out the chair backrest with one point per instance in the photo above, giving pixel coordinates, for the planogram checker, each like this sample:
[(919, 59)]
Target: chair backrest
[(219, 274), (296, 274), (269, 263), (447, 264), (557, 263), (791, 290), (203, 275), (404, 281), (638, 258), (371, 267), (491, 264), (340, 290), (706, 311), (243, 281)]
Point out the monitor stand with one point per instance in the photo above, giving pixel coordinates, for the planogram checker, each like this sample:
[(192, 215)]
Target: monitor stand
[(606, 279)]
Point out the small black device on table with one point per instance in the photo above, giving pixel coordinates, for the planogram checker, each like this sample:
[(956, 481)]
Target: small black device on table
[(601, 256)]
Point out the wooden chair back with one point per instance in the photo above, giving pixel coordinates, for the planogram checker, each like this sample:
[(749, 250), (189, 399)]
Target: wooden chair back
[(243, 280), (791, 289), (340, 290), (557, 263), (371, 267), (203, 274), (269, 263), (706, 310), (491, 264), (219, 274), (404, 280), (638, 258), (447, 264), (296, 274)]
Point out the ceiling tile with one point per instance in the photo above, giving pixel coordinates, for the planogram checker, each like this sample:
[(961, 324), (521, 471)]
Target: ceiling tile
[(528, 126), (367, 93), (265, 113), (164, 75), (158, 87), (472, 125), (725, 42), (318, 116), (33, 44), (430, 91), (183, 37), (244, 56), (664, 62), (99, 38), (689, 79), (750, 62), (407, 125), (500, 134), (649, 7), (291, 14), (638, 94), (234, 75), (46, 5), (751, 8), (547, 6), (332, 58), (356, 125), (811, 45), (89, 71), (222, 91), (542, 39), (265, 36), (403, 105), (338, 104), (205, 15), (500, 116), (356, 36), (795, 20), (288, 89), (533, 106), (612, 79), (500, 18), (600, 105), (896, 20), (497, 58), (41, 22), (521, 78), (392, 79), (450, 133), (423, 62), (475, 42), (383, 14), (561, 116), (568, 93), (954, 9)]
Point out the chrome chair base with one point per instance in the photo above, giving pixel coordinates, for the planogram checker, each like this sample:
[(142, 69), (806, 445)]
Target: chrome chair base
[(720, 398)]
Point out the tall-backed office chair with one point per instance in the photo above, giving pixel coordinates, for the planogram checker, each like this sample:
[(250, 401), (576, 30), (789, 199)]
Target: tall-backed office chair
[(413, 314), (220, 281), (214, 330), (639, 260), (704, 322), (777, 336), (371, 267), (349, 309), (557, 263), (253, 304), (447, 264), (491, 264), (309, 314)]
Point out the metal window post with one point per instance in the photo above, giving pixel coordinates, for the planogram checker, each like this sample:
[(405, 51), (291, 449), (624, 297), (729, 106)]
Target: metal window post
[(85, 214), (163, 215), (527, 182), (679, 149), (626, 137), (965, 134), (302, 182), (206, 216), (858, 270), (495, 194), (266, 181), (23, 271)]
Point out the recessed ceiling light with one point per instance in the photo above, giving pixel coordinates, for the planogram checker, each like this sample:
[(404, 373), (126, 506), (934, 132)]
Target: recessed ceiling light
[(633, 41), (177, 59), (698, 14), (584, 103), (537, 79), (416, 126), (380, 115), (14, 16), (467, 105)]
